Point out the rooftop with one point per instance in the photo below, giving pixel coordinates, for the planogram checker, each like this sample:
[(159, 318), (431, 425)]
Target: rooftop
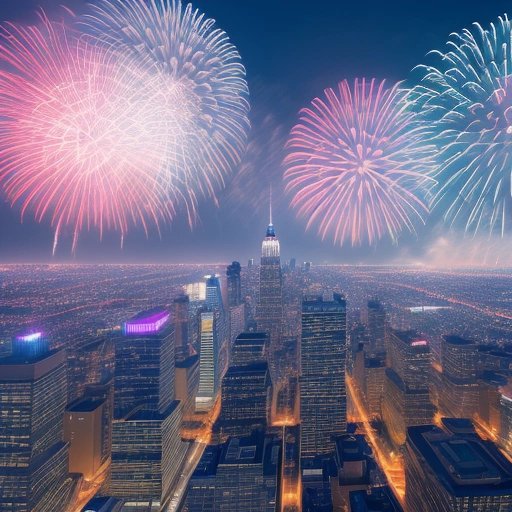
[(466, 464), (85, 405), (457, 340), (147, 322)]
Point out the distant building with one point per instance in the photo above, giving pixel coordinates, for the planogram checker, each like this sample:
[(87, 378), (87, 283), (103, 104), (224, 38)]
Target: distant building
[(269, 312), (458, 397), (33, 456), (180, 319), (240, 475), (451, 468), (323, 398), (144, 372), (376, 328), (406, 399), (489, 400), (234, 281), (209, 371)]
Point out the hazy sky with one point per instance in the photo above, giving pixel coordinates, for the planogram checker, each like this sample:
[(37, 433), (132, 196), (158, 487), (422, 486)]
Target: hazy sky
[(292, 50)]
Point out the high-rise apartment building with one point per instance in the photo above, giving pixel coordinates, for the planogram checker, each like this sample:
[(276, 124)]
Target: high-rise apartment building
[(450, 468), (406, 400), (323, 398), (33, 456)]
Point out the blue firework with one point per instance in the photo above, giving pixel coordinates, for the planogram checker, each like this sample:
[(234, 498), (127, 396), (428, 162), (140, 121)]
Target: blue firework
[(466, 96)]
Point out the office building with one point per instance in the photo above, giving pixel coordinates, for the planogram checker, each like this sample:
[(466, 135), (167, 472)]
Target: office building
[(458, 397), (249, 347), (147, 454), (187, 384), (240, 475), (450, 468), (406, 401), (33, 456), (208, 361), (245, 400), (144, 355), (323, 398), (84, 431)]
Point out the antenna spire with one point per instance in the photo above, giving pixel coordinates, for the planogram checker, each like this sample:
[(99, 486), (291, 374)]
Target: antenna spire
[(270, 204)]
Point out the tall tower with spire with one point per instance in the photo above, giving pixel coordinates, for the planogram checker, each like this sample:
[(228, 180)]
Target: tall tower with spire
[(269, 311)]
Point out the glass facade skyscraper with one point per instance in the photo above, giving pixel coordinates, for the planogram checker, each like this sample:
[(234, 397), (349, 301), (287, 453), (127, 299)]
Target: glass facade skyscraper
[(33, 456), (144, 370), (323, 408)]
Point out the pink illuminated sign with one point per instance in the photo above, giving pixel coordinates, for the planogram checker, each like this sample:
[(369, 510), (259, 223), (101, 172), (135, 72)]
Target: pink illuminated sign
[(149, 324)]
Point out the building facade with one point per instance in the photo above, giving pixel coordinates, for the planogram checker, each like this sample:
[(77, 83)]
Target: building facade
[(323, 398)]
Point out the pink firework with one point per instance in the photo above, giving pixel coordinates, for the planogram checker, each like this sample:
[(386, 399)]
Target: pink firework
[(83, 132), (357, 162)]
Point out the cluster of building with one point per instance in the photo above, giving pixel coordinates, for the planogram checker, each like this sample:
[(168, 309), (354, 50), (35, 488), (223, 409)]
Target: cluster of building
[(256, 395)]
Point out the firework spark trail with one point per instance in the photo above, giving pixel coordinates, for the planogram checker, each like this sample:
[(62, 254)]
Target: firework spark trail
[(83, 132), (466, 94), (356, 163), (197, 58)]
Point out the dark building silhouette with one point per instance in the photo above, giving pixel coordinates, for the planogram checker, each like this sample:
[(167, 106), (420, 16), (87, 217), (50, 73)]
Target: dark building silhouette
[(233, 273)]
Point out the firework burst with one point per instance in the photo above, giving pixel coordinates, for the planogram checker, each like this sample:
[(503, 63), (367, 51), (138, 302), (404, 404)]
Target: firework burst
[(356, 163), (83, 132), (466, 95), (197, 59)]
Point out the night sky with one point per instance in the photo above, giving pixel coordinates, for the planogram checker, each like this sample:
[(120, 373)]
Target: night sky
[(292, 50)]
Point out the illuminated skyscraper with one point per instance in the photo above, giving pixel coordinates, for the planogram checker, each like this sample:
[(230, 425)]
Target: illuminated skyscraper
[(234, 284), (208, 361), (33, 455), (406, 400), (146, 447), (144, 372), (269, 312), (323, 398), (452, 469)]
